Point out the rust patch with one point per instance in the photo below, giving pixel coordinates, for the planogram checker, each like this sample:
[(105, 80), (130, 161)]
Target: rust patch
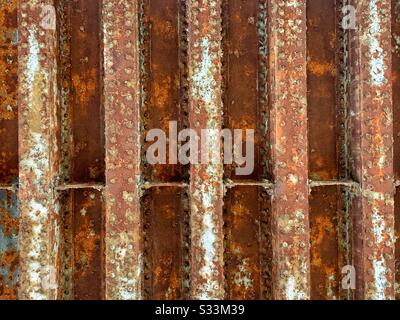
[(246, 253), (8, 92), (88, 245), (9, 251), (321, 89), (166, 260), (164, 77)]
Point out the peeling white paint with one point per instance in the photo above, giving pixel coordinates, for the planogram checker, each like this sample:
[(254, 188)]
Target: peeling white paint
[(376, 63), (381, 281), (33, 57), (291, 291), (378, 224), (203, 76)]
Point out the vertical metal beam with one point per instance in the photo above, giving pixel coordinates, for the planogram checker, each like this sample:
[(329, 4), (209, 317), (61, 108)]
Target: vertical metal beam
[(372, 149), (38, 150), (288, 120), (206, 187), (124, 259)]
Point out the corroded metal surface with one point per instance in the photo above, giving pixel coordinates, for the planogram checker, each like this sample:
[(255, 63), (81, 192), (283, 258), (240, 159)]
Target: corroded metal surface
[(38, 152), (84, 215), (166, 260), (327, 241), (206, 188), (8, 92), (396, 129), (290, 226), (9, 251), (123, 239), (371, 126), (322, 72), (246, 250), (245, 77)]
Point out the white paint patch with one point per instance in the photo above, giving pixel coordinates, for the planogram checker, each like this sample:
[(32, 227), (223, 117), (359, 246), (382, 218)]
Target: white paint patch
[(381, 282), (33, 56), (376, 63), (203, 77), (208, 240)]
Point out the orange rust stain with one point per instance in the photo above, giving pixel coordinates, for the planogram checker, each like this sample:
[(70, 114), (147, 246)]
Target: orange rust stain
[(87, 246), (85, 86), (323, 228), (9, 224), (8, 63), (321, 68), (163, 28), (161, 92), (10, 258)]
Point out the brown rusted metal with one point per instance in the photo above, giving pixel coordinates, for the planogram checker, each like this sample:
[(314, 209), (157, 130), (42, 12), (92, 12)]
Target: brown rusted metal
[(206, 187), (164, 233), (84, 215), (123, 239), (371, 124), (288, 121), (82, 141), (9, 253), (396, 130), (38, 152), (9, 214), (246, 251), (327, 242), (8, 92)]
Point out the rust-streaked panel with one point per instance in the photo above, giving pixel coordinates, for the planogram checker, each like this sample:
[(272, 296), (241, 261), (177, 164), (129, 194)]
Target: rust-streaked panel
[(321, 89), (246, 236), (86, 111), (9, 252), (328, 233), (290, 226), (371, 123), (164, 94), (88, 244), (244, 74), (8, 92), (166, 244)]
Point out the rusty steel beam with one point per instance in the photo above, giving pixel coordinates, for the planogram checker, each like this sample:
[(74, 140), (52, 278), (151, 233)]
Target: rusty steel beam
[(206, 186), (123, 239), (290, 225), (163, 48), (38, 151), (396, 129), (371, 124)]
